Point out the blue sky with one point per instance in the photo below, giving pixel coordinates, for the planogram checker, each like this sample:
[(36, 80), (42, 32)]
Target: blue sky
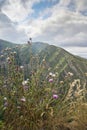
[(59, 22)]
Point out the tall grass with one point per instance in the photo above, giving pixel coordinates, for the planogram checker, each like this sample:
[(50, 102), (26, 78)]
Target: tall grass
[(39, 102)]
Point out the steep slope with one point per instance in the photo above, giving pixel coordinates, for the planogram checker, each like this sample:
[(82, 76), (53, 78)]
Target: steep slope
[(63, 62), (57, 59)]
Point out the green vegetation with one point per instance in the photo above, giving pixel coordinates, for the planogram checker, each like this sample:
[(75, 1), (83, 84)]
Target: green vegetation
[(40, 101)]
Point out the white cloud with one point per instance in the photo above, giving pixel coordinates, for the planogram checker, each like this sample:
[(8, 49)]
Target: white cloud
[(18, 10), (64, 2), (9, 31), (81, 5), (64, 27)]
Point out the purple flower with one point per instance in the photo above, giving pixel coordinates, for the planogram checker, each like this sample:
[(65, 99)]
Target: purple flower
[(55, 96), (50, 80), (6, 104), (26, 87)]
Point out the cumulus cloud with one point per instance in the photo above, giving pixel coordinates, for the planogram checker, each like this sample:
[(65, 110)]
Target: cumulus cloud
[(81, 5), (17, 10), (8, 30)]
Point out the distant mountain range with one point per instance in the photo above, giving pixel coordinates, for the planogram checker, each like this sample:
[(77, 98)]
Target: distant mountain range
[(58, 59)]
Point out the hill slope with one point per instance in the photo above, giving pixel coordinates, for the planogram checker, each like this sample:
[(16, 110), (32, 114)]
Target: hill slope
[(57, 59)]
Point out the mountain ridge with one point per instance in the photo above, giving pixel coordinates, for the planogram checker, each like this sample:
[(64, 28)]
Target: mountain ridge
[(57, 59)]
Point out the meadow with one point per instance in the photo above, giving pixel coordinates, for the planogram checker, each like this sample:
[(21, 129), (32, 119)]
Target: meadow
[(38, 101)]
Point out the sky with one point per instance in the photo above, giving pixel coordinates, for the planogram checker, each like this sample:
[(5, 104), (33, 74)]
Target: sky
[(59, 22)]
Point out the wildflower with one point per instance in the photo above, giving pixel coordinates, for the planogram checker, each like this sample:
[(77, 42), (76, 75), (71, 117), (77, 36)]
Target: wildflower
[(8, 59), (26, 87), (25, 82), (53, 75), (21, 67), (5, 98), (50, 74), (70, 74), (23, 99), (50, 80), (43, 60), (30, 41), (61, 82), (2, 56), (55, 96), (5, 104), (14, 52)]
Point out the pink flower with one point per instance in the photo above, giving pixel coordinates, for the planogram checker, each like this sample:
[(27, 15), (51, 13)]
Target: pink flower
[(50, 80), (55, 96), (6, 104), (26, 87)]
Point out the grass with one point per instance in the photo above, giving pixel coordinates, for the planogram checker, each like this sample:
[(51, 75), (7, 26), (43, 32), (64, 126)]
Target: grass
[(39, 102)]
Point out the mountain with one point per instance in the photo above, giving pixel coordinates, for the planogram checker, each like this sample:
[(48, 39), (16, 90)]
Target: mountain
[(64, 62), (23, 48), (57, 59), (4, 44)]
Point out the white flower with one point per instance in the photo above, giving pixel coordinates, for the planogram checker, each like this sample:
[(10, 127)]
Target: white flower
[(21, 67), (23, 99), (8, 58), (53, 75), (70, 74), (14, 52), (5, 98), (61, 82), (24, 82), (50, 73), (2, 56)]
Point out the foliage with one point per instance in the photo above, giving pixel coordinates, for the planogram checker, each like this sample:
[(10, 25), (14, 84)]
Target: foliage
[(37, 103)]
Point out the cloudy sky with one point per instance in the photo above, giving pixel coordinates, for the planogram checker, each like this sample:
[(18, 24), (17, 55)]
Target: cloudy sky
[(59, 22)]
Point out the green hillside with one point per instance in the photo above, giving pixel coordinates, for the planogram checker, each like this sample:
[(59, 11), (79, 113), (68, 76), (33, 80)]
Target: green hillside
[(57, 58), (43, 87), (64, 62), (4, 44)]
